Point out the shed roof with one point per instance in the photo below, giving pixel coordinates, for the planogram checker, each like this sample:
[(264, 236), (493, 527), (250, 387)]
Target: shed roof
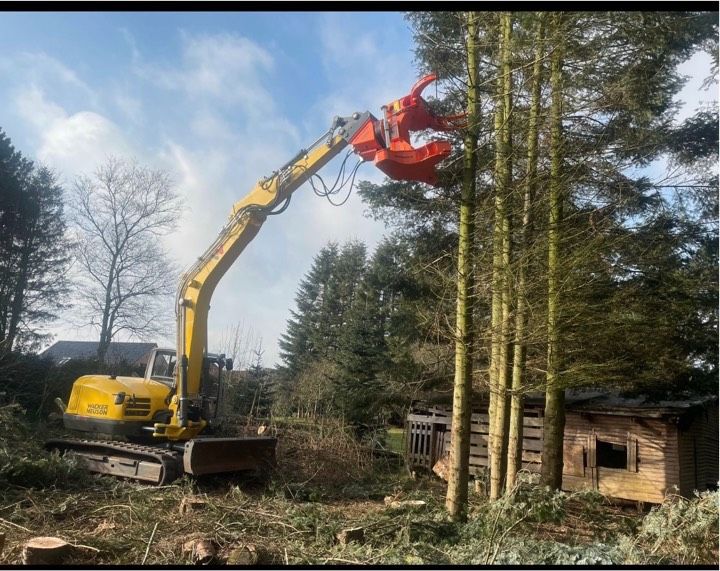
[(130, 352), (615, 404), (608, 402)]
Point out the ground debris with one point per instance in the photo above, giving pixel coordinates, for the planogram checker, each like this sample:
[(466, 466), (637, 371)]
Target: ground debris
[(103, 527), (246, 555), (192, 504), (399, 504), (441, 468)]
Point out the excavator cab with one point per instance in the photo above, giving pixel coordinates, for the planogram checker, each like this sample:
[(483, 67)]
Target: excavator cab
[(161, 367)]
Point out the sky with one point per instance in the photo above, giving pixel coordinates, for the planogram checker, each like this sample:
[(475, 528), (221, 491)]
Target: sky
[(219, 100)]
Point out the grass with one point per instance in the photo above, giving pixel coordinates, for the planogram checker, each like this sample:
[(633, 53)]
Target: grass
[(396, 440)]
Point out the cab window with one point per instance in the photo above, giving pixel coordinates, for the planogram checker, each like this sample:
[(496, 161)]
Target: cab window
[(163, 368)]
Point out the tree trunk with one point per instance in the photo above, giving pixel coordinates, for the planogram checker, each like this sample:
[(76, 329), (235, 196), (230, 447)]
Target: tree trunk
[(457, 491), (554, 421), (501, 262), (105, 328), (18, 300), (515, 435)]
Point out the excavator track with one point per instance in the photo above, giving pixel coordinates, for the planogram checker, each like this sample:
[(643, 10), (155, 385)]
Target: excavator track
[(124, 459)]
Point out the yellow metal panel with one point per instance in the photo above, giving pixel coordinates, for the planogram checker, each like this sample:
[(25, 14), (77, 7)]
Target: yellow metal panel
[(93, 396)]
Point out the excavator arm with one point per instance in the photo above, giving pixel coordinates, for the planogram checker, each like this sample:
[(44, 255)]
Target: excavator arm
[(172, 409), (198, 283), (385, 142)]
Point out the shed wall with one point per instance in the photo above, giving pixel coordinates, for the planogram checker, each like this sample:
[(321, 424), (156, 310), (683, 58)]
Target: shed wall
[(652, 444), (660, 453), (698, 451)]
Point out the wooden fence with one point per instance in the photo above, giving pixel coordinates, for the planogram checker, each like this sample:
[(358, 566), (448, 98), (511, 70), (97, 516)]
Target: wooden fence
[(428, 439)]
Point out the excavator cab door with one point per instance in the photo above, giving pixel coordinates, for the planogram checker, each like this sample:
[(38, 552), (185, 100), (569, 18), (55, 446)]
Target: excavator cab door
[(161, 366), (211, 388)]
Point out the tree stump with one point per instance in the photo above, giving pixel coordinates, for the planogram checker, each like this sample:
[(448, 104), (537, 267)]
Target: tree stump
[(442, 468), (407, 504), (244, 555), (192, 505), (200, 550), (345, 536), (2, 542), (46, 551)]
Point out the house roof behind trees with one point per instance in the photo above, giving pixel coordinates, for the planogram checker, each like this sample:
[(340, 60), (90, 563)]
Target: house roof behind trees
[(129, 352)]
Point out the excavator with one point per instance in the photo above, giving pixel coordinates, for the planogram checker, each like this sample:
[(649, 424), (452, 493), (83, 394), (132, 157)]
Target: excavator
[(158, 424)]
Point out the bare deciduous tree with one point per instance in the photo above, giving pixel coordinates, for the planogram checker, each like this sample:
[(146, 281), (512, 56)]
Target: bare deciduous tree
[(125, 275)]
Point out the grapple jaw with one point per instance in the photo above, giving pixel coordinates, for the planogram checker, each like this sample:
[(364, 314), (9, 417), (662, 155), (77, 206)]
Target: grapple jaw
[(386, 142)]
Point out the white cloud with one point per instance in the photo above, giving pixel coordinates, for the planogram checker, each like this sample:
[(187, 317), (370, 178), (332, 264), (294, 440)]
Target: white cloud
[(32, 105), (364, 73), (71, 143), (38, 67), (130, 106), (226, 67), (230, 135)]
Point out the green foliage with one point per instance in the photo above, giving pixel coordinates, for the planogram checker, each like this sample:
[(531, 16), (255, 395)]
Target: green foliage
[(639, 259), (33, 249), (527, 503), (34, 382), (351, 347), (250, 393), (24, 463), (332, 489), (679, 531)]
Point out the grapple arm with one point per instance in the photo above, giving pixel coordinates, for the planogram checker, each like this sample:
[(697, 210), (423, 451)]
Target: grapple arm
[(386, 142)]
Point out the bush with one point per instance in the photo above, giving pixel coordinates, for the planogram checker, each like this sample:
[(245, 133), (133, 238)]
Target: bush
[(678, 531), (24, 462), (321, 461), (34, 382)]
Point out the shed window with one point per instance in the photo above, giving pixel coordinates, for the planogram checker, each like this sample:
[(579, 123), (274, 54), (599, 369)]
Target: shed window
[(610, 455)]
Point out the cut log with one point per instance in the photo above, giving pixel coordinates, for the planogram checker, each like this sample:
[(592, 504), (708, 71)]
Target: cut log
[(407, 504), (201, 550), (46, 551), (2, 542), (190, 504), (345, 536), (441, 468)]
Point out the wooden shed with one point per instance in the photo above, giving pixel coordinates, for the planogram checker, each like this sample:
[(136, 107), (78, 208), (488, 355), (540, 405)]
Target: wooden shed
[(626, 448)]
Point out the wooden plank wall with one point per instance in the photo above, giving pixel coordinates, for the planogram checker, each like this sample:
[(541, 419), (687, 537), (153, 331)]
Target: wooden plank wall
[(429, 439), (660, 458), (698, 452), (652, 467)]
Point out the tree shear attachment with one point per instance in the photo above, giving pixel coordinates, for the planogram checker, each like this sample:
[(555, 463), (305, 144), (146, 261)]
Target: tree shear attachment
[(386, 142)]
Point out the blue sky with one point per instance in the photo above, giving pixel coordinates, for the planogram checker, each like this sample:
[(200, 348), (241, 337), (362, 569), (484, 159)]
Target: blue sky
[(219, 100)]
